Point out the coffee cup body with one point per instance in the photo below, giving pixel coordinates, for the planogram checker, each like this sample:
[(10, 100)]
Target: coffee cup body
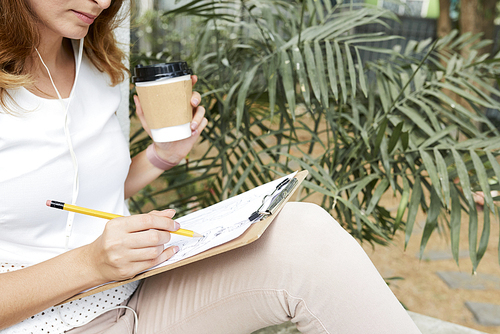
[(165, 101)]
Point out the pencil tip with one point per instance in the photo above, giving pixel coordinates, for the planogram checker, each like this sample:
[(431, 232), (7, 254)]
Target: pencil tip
[(197, 235)]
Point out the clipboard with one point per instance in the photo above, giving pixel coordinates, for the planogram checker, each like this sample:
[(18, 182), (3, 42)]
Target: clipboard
[(263, 217)]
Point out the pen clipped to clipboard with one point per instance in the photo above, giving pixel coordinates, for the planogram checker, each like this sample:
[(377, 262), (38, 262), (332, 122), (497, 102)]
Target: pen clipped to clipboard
[(279, 194)]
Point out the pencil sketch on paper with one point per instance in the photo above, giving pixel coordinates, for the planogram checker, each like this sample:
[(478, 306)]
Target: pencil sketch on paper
[(220, 222)]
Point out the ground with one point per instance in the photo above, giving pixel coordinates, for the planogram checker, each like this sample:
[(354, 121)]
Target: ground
[(421, 290)]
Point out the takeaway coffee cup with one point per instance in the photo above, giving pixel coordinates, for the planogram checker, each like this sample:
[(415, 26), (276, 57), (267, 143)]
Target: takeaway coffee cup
[(165, 93)]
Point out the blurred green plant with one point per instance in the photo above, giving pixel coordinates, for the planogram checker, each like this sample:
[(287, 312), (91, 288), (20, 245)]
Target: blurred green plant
[(285, 88)]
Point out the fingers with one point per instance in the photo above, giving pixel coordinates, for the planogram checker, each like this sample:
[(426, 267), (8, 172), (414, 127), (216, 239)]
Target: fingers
[(150, 230), (166, 254), (163, 256), (138, 108), (198, 118), (138, 261), (196, 133), (194, 79), (152, 253), (144, 222), (195, 99), (169, 213), (148, 239)]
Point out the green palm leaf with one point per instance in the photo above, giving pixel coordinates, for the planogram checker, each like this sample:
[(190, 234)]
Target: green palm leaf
[(280, 81)]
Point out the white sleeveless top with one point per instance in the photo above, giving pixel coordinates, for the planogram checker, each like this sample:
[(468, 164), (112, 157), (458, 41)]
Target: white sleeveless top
[(36, 166)]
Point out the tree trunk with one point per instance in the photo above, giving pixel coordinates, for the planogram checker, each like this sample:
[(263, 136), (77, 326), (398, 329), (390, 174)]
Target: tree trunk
[(444, 27), (444, 20), (490, 13), (478, 16)]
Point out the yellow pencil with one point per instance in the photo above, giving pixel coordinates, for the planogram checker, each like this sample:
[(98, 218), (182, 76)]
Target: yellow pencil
[(106, 215)]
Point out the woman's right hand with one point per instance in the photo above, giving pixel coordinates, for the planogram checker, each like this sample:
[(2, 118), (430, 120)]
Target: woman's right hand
[(130, 245)]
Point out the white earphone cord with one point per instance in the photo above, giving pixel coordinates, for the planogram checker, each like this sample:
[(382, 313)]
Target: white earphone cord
[(71, 215), (136, 322)]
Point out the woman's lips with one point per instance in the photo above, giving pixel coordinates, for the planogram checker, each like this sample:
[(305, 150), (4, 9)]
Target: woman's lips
[(87, 18)]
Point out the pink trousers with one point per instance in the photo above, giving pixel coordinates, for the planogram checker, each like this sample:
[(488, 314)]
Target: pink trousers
[(305, 268)]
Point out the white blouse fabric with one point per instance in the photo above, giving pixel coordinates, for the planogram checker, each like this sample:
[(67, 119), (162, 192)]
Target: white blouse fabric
[(36, 166)]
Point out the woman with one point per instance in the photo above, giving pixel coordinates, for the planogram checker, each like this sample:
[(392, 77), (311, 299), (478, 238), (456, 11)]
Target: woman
[(60, 139)]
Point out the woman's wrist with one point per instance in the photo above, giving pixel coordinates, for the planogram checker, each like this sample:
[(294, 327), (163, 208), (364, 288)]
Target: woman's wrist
[(156, 160), (89, 265)]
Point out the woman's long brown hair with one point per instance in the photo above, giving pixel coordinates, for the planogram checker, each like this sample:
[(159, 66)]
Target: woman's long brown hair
[(19, 36)]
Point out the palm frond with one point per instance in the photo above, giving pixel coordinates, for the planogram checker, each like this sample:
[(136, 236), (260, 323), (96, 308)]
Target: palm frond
[(286, 87)]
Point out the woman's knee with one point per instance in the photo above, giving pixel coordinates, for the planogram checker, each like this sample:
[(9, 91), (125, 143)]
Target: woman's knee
[(306, 231), (307, 219), (303, 230)]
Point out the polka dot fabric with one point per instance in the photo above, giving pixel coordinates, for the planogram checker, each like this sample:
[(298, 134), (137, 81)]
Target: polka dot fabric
[(58, 319)]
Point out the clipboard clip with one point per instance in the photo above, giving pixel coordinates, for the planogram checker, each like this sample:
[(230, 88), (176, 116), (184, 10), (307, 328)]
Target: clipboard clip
[(283, 189)]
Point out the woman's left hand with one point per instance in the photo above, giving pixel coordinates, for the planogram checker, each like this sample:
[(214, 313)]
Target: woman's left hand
[(174, 152)]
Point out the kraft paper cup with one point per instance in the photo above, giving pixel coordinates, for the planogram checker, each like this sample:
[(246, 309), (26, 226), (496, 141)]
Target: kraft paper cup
[(165, 92)]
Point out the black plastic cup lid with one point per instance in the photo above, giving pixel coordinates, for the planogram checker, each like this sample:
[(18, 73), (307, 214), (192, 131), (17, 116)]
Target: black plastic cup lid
[(145, 73)]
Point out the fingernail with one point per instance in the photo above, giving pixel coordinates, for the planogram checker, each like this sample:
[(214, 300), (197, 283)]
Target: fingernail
[(194, 126), (177, 226), (196, 102), (175, 249)]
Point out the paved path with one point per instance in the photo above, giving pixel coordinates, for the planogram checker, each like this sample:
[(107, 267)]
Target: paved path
[(485, 314), (429, 325)]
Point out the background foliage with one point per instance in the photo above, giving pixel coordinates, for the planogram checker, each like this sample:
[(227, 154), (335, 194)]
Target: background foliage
[(285, 88)]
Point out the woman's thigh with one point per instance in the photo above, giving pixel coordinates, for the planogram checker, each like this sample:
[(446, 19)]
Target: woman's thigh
[(305, 268)]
